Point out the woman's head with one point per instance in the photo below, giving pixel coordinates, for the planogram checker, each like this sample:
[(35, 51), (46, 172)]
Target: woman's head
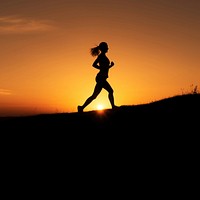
[(103, 47)]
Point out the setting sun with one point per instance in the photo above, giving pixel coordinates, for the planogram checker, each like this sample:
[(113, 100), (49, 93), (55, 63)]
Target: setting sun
[(100, 107)]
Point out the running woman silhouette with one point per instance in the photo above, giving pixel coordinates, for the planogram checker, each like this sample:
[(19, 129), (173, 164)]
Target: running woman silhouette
[(103, 64)]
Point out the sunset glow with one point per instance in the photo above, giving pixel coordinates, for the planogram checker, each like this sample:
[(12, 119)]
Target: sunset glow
[(45, 61), (100, 107)]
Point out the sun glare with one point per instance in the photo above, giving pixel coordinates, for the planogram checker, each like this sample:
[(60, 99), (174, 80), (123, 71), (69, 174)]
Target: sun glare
[(100, 107)]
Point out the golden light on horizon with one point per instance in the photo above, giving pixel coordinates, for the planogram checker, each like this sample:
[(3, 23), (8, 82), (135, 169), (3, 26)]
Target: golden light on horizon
[(100, 107)]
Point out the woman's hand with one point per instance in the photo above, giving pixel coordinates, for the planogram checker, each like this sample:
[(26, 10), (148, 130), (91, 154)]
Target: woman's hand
[(111, 64)]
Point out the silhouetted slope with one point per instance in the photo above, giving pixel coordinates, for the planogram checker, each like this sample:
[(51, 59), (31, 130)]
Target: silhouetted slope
[(150, 136), (164, 115)]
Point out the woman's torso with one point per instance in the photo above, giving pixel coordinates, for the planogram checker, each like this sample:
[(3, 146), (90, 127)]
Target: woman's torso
[(104, 63)]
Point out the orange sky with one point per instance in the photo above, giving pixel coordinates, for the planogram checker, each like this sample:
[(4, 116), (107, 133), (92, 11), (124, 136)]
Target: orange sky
[(46, 67)]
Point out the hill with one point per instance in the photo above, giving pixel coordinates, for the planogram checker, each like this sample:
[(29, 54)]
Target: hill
[(179, 112), (159, 138)]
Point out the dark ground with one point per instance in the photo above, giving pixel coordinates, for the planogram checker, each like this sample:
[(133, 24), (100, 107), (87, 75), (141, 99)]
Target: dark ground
[(169, 120), (173, 114), (154, 145)]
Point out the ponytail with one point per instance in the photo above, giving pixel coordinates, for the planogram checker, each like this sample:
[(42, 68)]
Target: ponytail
[(95, 51)]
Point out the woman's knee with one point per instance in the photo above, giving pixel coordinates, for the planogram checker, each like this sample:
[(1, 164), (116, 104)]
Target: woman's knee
[(94, 96), (111, 91)]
